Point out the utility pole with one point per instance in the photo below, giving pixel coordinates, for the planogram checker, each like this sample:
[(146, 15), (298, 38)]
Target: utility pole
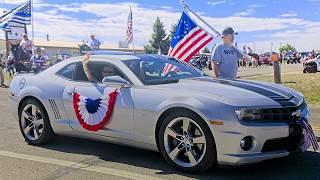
[(276, 67), (6, 39)]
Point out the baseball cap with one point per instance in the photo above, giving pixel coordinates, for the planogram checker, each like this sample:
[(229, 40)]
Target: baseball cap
[(229, 30)]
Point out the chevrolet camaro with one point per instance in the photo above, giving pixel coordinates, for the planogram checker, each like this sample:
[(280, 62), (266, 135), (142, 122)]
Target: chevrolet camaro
[(157, 103)]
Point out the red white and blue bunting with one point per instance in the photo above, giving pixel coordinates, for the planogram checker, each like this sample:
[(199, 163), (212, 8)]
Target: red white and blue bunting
[(309, 137), (94, 114)]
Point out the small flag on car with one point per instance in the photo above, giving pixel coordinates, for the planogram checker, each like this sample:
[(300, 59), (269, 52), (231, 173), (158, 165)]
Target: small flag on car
[(310, 138)]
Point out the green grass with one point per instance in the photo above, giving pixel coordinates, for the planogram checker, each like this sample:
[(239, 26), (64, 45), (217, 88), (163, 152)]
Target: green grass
[(308, 84)]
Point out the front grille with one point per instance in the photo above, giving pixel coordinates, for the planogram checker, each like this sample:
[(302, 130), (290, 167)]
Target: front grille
[(290, 143), (279, 114)]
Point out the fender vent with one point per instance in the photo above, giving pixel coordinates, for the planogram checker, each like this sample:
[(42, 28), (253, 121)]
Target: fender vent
[(55, 109)]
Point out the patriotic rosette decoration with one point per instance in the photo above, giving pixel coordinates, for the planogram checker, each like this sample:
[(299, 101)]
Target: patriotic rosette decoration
[(309, 137), (94, 114)]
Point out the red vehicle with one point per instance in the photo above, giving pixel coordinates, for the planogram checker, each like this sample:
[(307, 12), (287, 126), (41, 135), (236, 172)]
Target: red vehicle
[(266, 58)]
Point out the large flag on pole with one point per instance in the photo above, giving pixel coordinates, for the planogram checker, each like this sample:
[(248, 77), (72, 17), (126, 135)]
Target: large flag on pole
[(17, 17), (188, 39), (129, 34)]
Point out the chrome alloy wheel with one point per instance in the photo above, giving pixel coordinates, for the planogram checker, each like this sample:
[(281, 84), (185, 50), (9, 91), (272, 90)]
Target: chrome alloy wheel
[(32, 122), (184, 142)]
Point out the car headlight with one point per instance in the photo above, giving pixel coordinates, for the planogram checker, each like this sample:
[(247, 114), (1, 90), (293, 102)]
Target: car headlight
[(249, 114)]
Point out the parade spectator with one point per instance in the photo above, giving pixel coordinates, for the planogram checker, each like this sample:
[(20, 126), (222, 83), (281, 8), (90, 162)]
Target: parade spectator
[(95, 43), (26, 45), (10, 66), (15, 45), (38, 60), (2, 73), (225, 56)]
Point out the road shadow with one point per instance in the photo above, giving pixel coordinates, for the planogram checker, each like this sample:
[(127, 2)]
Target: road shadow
[(298, 166)]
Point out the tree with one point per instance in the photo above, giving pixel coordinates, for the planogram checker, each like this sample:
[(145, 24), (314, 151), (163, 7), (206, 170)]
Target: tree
[(148, 49), (158, 39), (206, 50), (173, 30), (286, 48)]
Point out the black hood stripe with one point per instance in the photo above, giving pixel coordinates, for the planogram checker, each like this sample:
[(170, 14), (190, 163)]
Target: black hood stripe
[(282, 97)]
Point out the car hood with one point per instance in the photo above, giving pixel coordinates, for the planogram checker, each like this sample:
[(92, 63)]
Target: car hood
[(237, 92)]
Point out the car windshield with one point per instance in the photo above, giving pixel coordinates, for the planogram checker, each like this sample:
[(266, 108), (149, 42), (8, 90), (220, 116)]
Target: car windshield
[(155, 69)]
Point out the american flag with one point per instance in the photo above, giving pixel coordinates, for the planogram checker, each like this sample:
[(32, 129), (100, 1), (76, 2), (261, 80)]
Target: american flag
[(129, 34), (17, 17), (169, 68), (188, 39), (309, 137)]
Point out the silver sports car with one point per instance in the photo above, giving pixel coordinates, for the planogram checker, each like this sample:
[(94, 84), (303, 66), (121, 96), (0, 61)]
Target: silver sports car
[(152, 102)]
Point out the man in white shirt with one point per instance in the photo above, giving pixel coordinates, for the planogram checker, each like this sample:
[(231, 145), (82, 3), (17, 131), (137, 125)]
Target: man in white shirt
[(26, 44), (95, 43)]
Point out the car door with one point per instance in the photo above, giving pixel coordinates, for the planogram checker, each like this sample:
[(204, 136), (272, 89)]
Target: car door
[(120, 124)]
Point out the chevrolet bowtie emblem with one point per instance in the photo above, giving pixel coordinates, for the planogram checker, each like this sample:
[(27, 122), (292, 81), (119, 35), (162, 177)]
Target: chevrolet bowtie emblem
[(296, 113)]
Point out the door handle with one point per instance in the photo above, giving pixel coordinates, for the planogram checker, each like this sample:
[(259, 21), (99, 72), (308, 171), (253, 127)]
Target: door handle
[(71, 90)]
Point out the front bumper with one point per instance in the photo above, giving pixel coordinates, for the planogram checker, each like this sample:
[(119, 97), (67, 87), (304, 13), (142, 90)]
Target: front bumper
[(269, 141)]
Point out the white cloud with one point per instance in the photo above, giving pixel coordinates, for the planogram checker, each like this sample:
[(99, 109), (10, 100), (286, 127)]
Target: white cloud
[(256, 5), (214, 3), (111, 19), (289, 14), (17, 1), (247, 12)]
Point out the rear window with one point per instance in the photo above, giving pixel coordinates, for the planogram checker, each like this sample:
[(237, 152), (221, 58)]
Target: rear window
[(67, 72)]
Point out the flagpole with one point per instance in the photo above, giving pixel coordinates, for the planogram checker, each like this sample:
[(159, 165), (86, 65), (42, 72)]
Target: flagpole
[(186, 7), (32, 17), (132, 32), (133, 46)]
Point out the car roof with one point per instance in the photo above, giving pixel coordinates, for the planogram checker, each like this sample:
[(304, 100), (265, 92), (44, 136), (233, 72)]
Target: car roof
[(104, 57), (119, 57)]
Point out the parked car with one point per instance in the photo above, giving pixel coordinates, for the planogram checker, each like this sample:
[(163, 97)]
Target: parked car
[(194, 121), (266, 58), (311, 65)]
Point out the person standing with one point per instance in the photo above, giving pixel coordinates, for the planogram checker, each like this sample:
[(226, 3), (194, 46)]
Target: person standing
[(38, 60), (225, 56), (10, 66), (26, 45), (2, 73), (95, 43), (15, 45)]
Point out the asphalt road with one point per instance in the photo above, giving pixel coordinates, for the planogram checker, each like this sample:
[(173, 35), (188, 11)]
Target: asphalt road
[(73, 158)]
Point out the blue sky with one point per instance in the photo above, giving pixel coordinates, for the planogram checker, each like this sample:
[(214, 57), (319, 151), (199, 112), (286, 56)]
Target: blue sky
[(258, 22)]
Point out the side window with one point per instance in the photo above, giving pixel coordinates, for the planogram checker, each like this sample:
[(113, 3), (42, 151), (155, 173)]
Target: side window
[(79, 74), (100, 70), (67, 72)]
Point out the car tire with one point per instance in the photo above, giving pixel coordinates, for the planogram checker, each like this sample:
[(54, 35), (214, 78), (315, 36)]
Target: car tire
[(204, 154), (34, 123), (310, 69)]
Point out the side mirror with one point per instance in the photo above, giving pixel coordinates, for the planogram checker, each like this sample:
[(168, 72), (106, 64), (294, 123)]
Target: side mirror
[(115, 81)]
